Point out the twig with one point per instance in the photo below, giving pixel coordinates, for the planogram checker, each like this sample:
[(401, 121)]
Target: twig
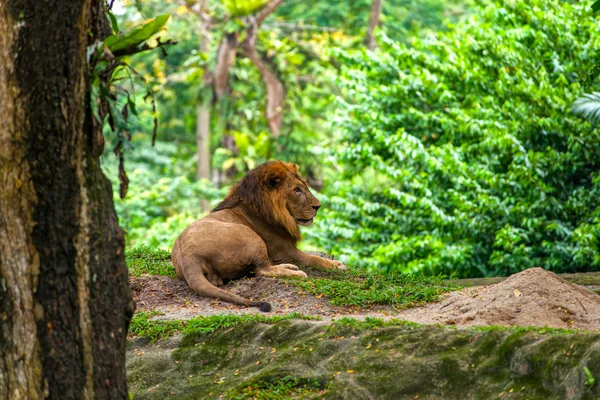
[(295, 27)]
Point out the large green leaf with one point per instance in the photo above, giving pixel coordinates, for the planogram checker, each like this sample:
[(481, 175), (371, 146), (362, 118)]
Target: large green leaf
[(242, 8), (136, 36)]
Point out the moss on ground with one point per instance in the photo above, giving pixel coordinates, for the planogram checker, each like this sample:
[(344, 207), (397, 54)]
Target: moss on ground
[(156, 329), (367, 359)]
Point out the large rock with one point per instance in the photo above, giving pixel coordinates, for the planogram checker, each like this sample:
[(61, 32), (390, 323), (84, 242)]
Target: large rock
[(307, 359)]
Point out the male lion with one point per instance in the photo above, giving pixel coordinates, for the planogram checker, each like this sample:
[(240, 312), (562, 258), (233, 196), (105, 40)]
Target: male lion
[(254, 229)]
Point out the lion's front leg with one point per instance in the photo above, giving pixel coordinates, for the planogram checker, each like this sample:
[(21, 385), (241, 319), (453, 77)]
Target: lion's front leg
[(310, 260)]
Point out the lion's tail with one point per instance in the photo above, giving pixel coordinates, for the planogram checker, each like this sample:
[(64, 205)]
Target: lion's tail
[(203, 287)]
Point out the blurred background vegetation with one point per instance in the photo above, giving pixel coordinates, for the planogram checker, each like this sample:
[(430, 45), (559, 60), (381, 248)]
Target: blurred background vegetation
[(458, 140)]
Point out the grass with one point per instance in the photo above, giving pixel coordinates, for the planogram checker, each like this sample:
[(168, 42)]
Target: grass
[(362, 289), (282, 389), (143, 260), (142, 326)]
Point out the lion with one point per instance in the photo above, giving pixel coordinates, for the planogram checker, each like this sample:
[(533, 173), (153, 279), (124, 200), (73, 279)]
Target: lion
[(256, 228)]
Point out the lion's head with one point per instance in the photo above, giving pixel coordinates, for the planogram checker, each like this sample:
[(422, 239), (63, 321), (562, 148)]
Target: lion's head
[(275, 192)]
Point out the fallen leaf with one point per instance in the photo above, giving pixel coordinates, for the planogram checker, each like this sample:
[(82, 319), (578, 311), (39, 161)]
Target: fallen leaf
[(517, 293)]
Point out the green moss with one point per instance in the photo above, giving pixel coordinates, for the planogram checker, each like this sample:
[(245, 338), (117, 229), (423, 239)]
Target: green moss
[(347, 324), (143, 260), (142, 326), (276, 388)]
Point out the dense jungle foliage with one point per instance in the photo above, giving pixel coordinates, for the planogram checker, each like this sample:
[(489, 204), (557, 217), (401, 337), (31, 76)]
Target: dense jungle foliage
[(451, 148)]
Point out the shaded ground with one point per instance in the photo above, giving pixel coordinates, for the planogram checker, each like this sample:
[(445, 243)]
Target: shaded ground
[(350, 360), (533, 297)]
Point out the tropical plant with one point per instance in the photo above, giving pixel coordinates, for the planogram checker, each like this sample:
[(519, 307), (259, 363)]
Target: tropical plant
[(460, 154)]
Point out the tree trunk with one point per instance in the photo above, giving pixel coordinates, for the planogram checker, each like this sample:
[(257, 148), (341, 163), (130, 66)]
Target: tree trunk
[(374, 18), (65, 304), (203, 126)]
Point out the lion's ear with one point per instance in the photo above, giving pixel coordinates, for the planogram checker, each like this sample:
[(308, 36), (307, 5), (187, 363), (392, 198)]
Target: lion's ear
[(274, 178)]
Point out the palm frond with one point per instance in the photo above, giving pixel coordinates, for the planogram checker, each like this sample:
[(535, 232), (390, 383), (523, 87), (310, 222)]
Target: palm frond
[(588, 106)]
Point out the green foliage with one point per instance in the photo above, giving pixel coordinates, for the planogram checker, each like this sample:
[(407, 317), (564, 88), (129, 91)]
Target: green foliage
[(400, 19), (142, 260), (358, 288), (241, 8), (113, 86), (132, 39), (155, 330), (460, 154), (163, 196)]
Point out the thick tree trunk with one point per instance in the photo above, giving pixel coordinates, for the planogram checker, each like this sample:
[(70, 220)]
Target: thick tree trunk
[(203, 122), (64, 299), (374, 18)]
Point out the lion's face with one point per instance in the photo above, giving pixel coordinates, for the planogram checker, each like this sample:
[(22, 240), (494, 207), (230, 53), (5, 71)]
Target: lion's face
[(276, 192), (301, 203)]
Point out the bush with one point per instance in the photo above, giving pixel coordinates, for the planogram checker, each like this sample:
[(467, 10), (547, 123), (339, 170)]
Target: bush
[(460, 152), (163, 197)]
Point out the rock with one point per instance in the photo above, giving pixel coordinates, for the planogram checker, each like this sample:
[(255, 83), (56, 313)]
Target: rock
[(306, 359)]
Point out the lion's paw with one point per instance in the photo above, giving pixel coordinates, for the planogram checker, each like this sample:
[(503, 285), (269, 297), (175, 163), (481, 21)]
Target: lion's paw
[(301, 274), (338, 265), (289, 266)]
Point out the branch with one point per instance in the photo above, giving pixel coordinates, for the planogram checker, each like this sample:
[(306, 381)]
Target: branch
[(225, 59), (374, 19), (300, 28), (269, 9), (275, 88)]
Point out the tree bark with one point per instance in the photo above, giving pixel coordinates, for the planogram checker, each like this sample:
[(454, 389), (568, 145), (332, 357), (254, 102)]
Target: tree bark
[(374, 19), (65, 304)]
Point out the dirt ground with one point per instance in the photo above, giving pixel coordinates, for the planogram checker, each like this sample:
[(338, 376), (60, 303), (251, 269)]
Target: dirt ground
[(176, 300), (534, 297)]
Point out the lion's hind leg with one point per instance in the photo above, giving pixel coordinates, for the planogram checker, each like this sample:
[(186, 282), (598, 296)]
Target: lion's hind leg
[(281, 271), (204, 287)]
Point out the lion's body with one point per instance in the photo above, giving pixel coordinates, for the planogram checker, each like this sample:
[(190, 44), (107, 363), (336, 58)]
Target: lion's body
[(254, 229)]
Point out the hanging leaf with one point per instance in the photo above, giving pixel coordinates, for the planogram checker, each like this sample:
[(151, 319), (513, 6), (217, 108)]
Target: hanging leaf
[(136, 36), (113, 23)]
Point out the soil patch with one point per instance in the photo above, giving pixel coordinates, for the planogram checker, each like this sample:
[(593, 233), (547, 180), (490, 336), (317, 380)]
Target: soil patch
[(176, 299), (534, 297)]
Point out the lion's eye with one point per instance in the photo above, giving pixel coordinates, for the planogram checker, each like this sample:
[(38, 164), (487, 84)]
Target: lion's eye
[(298, 190)]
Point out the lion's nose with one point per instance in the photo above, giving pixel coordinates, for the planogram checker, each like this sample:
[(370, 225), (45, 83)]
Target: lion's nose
[(317, 207)]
